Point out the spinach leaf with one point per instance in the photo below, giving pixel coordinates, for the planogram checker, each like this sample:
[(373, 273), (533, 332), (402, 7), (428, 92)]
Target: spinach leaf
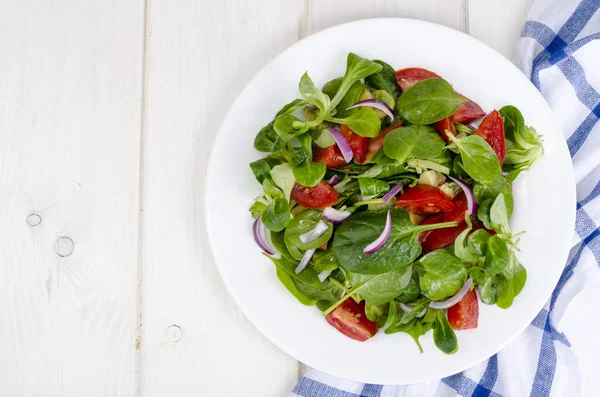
[(441, 275), (288, 283), (277, 215), (483, 213), (416, 310), (488, 290), (283, 176), (509, 284), (385, 171), (523, 144), (310, 174), (372, 187), (419, 141), (326, 291), (271, 191), (499, 215), (401, 248), (478, 159), (262, 168), (294, 251), (289, 127), (303, 223), (257, 208), (497, 256), (363, 121), (492, 190), (377, 313), (313, 95), (443, 334), (357, 68), (415, 328), (429, 101), (378, 289), (265, 139), (477, 242), (277, 238), (290, 107), (306, 276), (351, 97), (412, 290), (461, 250), (516, 274), (325, 260), (384, 79)]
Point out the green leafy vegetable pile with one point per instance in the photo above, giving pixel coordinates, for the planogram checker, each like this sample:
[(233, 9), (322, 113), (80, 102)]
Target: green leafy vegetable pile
[(398, 237)]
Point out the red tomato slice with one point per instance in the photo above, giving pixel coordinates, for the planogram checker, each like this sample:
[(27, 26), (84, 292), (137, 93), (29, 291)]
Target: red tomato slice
[(466, 112), (331, 156), (350, 319), (424, 200), (320, 196), (457, 214), (359, 144), (492, 130), (408, 77), (443, 125), (375, 144), (432, 240), (464, 314)]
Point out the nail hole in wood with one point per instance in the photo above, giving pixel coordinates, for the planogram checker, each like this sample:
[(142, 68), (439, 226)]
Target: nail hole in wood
[(174, 333), (64, 246), (34, 219)]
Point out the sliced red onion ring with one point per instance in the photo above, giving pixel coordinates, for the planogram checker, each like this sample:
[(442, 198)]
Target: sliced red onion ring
[(453, 300), (405, 308), (307, 255), (471, 203), (393, 191), (315, 233), (258, 229), (333, 180), (335, 216), (383, 237), (324, 274), (342, 143), (374, 103)]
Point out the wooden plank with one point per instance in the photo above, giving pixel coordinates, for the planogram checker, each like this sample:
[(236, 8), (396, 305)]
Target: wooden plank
[(199, 56), (498, 24), (70, 102), (327, 13)]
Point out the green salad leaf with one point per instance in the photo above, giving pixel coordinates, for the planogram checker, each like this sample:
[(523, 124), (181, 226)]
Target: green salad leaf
[(413, 141)]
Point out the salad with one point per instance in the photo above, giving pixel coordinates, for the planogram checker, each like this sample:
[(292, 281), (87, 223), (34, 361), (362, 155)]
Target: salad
[(387, 200)]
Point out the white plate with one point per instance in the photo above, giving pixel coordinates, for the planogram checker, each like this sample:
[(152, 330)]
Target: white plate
[(544, 200)]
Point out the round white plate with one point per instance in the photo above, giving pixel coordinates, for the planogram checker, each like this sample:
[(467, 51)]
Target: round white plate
[(544, 200)]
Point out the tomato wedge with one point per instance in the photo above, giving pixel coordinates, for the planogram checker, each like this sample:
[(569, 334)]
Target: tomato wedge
[(457, 213), (492, 130), (350, 319), (319, 196), (359, 144), (408, 77), (375, 144), (464, 314), (443, 125), (432, 240), (331, 156), (466, 112), (424, 200)]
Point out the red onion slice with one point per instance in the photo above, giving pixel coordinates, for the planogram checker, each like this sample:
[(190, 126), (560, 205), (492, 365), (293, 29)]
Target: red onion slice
[(365, 198), (333, 180), (335, 216), (393, 192), (342, 143), (383, 237), (455, 299), (374, 103), (315, 233), (324, 274), (471, 203), (302, 265), (258, 229), (405, 308)]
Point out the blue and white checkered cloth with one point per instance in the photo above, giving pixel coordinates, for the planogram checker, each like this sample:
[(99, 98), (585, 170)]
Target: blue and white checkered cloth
[(560, 48)]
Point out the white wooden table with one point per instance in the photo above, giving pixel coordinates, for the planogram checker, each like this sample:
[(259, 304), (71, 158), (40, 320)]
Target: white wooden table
[(107, 113)]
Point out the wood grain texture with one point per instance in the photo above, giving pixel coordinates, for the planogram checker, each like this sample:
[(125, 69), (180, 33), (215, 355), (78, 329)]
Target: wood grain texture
[(498, 24), (70, 100), (199, 57), (326, 13)]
